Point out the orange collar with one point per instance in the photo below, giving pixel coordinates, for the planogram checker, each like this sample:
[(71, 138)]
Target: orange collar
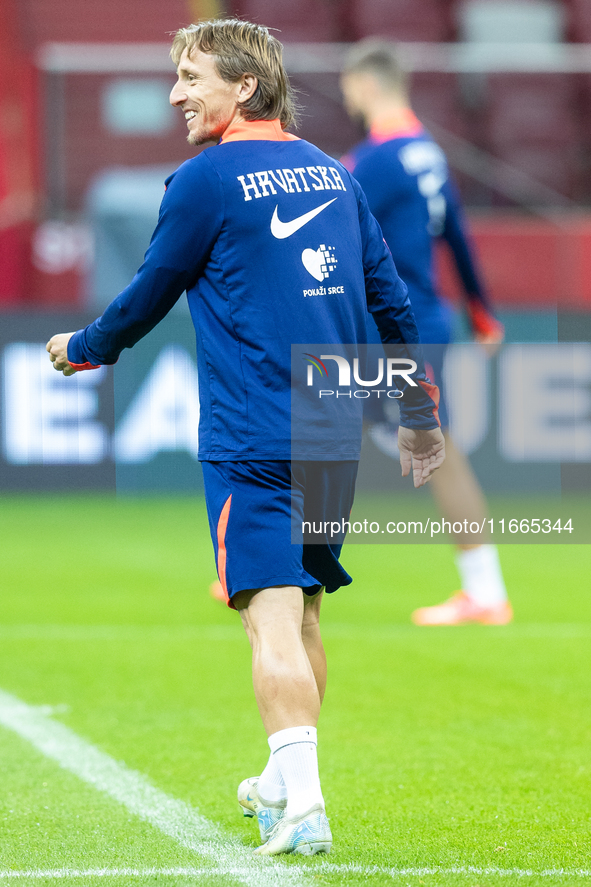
[(395, 125), (256, 130)]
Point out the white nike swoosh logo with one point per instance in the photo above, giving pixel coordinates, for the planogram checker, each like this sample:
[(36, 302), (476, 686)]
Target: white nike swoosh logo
[(281, 230)]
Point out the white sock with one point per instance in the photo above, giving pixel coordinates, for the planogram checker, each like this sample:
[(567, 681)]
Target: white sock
[(481, 575), (295, 751), (271, 787)]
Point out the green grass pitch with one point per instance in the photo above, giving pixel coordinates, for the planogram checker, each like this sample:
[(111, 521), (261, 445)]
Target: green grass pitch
[(439, 749)]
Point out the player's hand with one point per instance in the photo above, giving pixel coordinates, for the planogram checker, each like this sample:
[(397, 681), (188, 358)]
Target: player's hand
[(58, 353), (488, 331), (423, 451), (491, 342)]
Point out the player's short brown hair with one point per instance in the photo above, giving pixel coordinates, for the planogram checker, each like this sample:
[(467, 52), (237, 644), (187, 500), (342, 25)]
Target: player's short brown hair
[(380, 58), (239, 48)]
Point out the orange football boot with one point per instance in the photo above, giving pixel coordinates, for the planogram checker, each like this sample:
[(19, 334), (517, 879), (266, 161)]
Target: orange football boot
[(462, 610)]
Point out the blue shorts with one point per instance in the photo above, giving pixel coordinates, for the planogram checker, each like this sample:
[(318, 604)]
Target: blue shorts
[(252, 509)]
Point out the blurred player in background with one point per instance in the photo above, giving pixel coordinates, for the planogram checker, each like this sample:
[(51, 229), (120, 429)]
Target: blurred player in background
[(239, 229), (405, 177)]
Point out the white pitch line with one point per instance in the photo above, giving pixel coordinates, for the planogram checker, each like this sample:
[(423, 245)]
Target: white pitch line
[(63, 874), (367, 871), (174, 818), (418, 872)]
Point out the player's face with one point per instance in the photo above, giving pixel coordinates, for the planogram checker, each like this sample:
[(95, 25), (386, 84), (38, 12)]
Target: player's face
[(354, 87), (209, 103)]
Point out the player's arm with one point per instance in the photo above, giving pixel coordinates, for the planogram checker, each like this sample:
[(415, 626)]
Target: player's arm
[(421, 443), (486, 328), (188, 225)]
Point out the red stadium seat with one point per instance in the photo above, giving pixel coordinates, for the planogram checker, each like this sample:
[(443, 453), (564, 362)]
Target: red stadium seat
[(298, 20), (531, 108), (580, 21), (532, 122), (111, 21), (584, 97), (420, 20), (580, 32), (435, 99), (550, 165)]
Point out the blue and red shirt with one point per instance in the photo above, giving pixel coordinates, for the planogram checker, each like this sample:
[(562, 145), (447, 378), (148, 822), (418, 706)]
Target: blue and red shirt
[(405, 177), (274, 243)]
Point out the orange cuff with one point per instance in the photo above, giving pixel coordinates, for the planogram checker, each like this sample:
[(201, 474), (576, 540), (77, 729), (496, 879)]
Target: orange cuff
[(84, 366)]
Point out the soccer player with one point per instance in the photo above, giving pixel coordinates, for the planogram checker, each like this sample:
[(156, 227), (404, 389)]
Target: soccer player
[(404, 175), (241, 229)]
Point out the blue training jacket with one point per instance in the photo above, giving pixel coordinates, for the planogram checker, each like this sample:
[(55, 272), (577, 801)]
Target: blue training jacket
[(274, 243), (405, 177)]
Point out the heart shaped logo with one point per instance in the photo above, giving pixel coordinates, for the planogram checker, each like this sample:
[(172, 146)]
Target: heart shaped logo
[(313, 260), (319, 262)]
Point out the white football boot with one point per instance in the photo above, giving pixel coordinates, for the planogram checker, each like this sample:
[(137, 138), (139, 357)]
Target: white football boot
[(307, 834), (268, 815)]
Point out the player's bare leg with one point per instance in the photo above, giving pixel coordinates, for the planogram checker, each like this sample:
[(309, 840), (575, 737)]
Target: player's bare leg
[(483, 597), (270, 785), (312, 640), (311, 637), (283, 628), (458, 493), (284, 683)]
